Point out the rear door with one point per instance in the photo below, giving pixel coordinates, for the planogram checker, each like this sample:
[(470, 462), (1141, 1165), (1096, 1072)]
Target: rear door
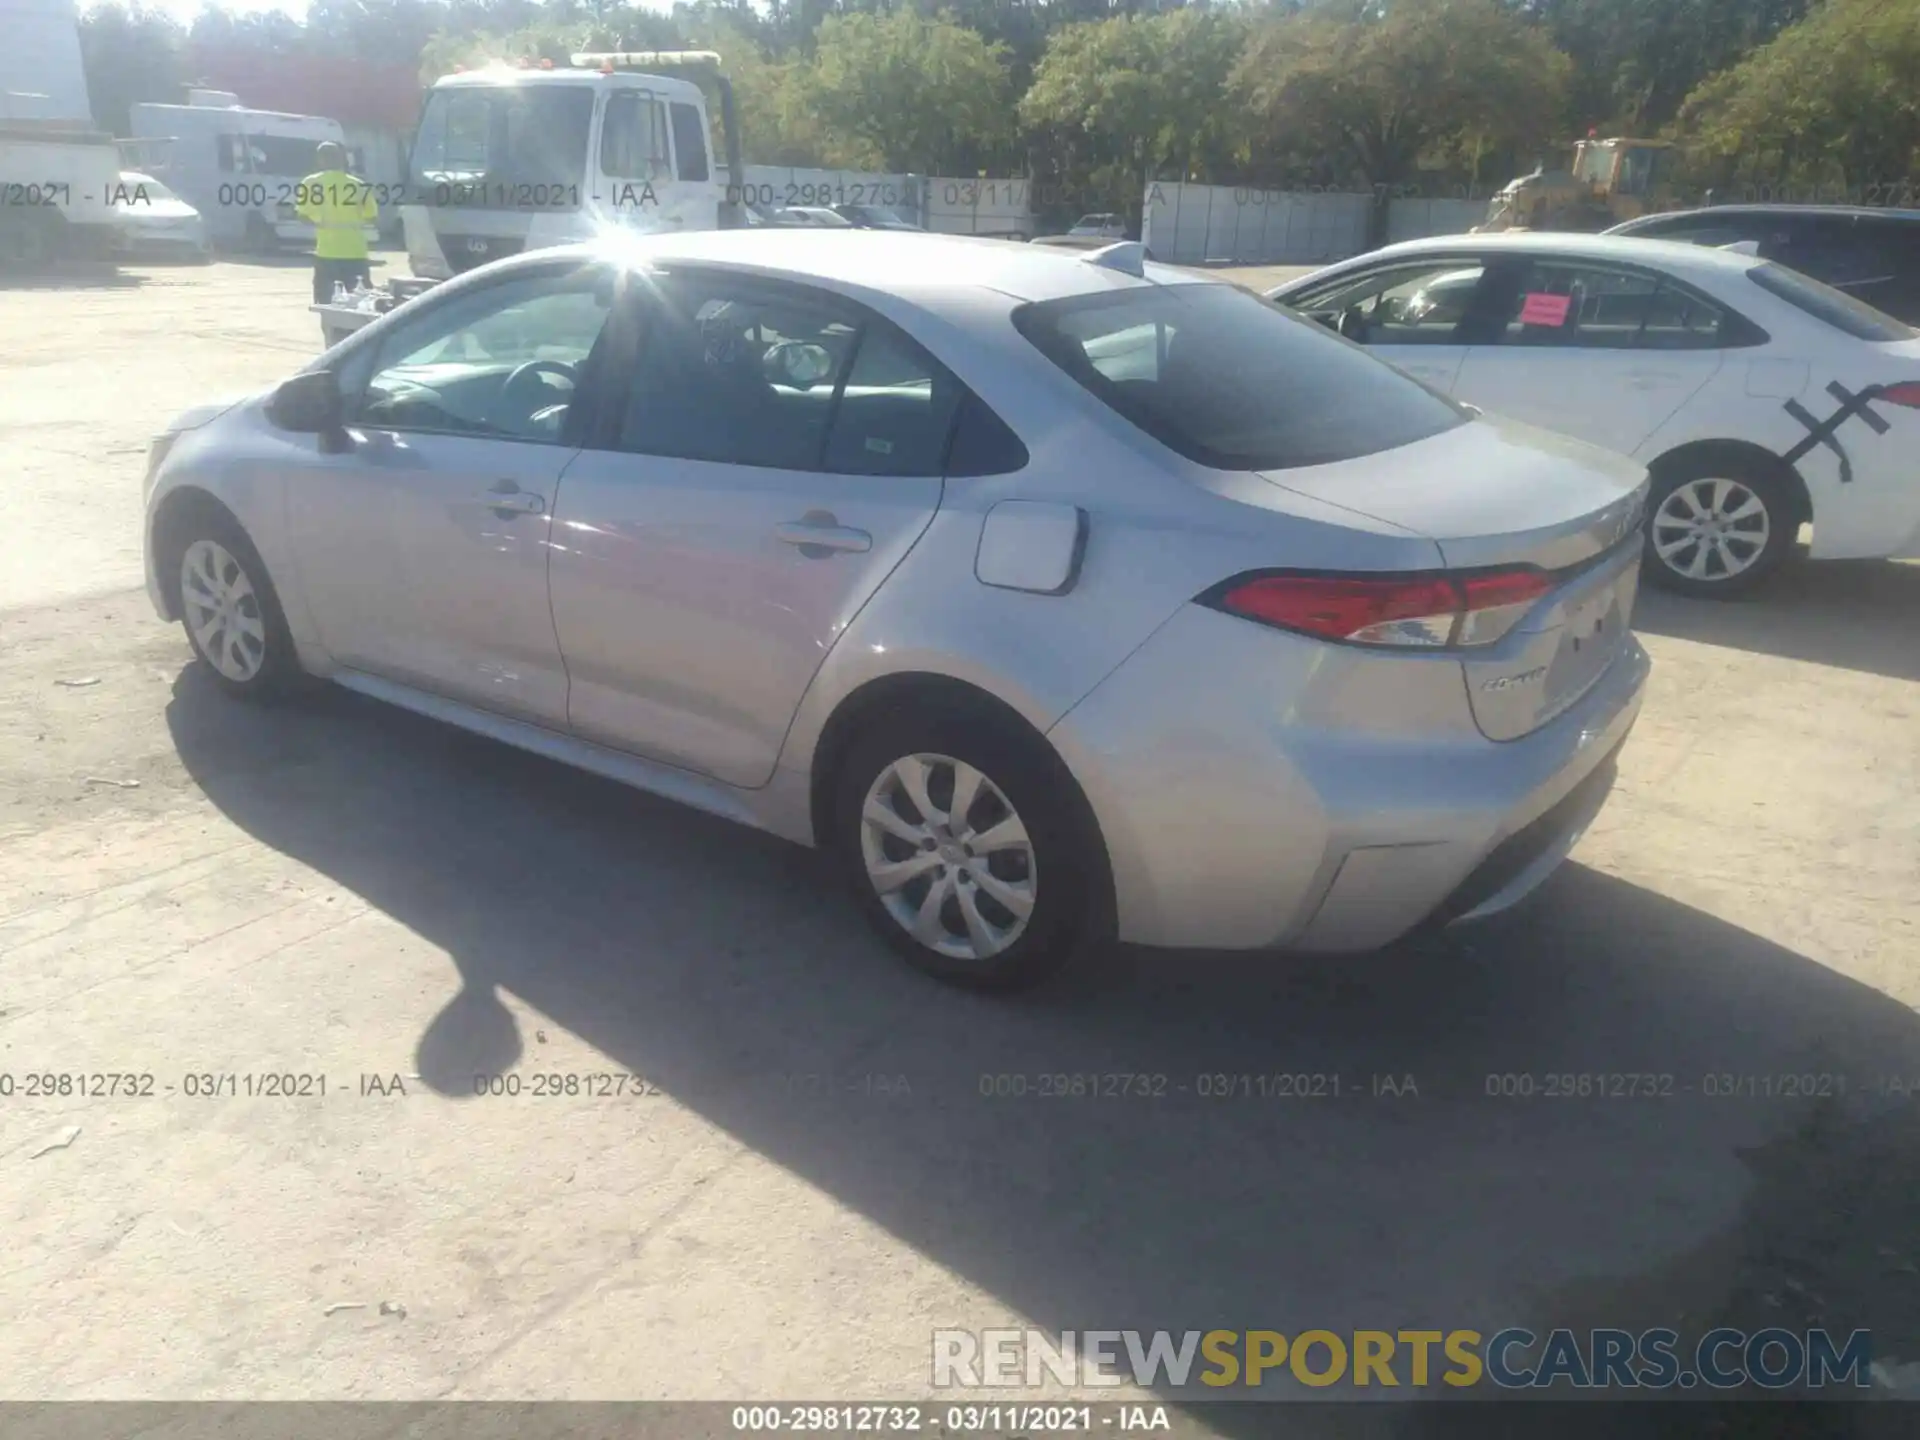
[(1414, 315), (1600, 352), (779, 452)]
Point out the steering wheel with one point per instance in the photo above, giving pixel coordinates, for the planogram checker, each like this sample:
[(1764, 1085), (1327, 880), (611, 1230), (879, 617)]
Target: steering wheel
[(522, 375)]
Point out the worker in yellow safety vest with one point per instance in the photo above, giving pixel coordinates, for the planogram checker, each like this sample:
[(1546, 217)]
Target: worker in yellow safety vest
[(339, 206)]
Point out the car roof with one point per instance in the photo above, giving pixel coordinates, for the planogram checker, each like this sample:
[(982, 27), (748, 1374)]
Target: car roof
[(499, 74), (1674, 255), (890, 261), (1851, 212)]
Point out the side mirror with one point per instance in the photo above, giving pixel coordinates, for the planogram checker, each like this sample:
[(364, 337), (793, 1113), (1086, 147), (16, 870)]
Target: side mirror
[(310, 404)]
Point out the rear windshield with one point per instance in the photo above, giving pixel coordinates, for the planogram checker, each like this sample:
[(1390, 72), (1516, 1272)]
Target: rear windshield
[(1835, 307), (1230, 380)]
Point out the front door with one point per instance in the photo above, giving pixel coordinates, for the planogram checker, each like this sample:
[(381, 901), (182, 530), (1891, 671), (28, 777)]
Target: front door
[(1601, 353), (779, 453), (423, 547)]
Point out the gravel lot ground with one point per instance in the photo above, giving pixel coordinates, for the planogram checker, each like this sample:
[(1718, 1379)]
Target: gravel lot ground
[(810, 1180)]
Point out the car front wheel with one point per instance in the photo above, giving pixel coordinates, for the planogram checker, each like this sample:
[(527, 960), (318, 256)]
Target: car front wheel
[(230, 612), (1717, 531)]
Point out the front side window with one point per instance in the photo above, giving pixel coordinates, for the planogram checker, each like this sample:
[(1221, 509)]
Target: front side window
[(1232, 381), (1420, 304), (504, 360), (633, 138)]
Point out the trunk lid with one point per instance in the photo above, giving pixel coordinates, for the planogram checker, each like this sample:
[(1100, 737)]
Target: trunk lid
[(1497, 493)]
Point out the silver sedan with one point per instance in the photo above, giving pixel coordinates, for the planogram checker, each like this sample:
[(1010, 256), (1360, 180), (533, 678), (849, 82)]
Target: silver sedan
[(1055, 595)]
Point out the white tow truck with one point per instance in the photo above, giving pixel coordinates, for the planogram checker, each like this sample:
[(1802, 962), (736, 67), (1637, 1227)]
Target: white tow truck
[(58, 171), (509, 158)]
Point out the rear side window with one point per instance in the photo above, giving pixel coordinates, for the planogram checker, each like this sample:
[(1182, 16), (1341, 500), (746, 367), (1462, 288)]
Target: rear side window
[(1232, 381), (894, 412), (1833, 307), (982, 444), (689, 141)]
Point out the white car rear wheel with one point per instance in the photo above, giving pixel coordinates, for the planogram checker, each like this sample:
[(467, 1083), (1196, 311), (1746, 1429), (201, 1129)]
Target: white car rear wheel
[(1717, 530)]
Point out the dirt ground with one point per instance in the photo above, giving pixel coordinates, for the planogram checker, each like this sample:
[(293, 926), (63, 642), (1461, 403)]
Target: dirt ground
[(806, 1179)]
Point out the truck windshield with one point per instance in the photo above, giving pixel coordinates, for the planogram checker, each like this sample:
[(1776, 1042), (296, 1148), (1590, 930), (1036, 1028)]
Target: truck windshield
[(505, 135)]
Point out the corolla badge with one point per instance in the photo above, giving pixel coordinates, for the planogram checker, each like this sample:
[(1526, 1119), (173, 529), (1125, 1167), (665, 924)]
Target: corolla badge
[(1508, 682)]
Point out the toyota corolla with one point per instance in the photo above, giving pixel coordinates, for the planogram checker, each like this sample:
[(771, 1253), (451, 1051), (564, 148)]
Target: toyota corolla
[(1055, 595)]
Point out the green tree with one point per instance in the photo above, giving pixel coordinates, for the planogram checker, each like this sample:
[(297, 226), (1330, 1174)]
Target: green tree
[(904, 92), (1116, 103), (1835, 98), (1635, 61), (1368, 92), (130, 56)]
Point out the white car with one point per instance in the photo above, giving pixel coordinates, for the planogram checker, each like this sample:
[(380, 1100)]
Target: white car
[(1758, 398), (1109, 227), (150, 219)]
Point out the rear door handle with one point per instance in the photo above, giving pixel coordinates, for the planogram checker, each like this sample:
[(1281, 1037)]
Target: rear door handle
[(822, 535), (505, 497)]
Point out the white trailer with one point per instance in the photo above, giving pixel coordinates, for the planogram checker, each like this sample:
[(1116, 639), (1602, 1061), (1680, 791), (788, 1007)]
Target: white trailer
[(240, 168), (57, 171), (511, 158)]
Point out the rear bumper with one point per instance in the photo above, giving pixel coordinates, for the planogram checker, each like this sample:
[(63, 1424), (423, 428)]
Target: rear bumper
[(1236, 819)]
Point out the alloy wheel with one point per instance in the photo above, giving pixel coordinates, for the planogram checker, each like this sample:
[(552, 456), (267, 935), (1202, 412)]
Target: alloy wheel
[(948, 856), (1711, 529), (223, 611)]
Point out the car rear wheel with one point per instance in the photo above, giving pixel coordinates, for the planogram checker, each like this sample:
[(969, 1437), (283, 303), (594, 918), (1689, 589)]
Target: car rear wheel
[(231, 615), (959, 839), (1717, 530)]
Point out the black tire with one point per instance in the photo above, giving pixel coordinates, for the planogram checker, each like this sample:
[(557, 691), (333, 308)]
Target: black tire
[(260, 239), (1758, 540), (277, 674), (1063, 871)]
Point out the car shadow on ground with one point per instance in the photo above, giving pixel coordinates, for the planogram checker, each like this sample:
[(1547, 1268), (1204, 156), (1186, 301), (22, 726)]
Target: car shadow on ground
[(717, 962), (1856, 614)]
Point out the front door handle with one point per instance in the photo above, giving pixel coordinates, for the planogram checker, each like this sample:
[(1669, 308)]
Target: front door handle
[(505, 497), (820, 534)]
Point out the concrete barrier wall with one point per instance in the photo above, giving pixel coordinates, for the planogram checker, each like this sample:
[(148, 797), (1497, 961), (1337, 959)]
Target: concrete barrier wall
[(1186, 224), (775, 186), (1414, 219), (980, 205)]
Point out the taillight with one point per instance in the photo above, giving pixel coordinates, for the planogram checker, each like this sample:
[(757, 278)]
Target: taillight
[(1906, 393), (1424, 611)]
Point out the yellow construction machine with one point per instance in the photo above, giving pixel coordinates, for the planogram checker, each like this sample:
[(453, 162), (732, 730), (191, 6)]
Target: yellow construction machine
[(1611, 181)]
